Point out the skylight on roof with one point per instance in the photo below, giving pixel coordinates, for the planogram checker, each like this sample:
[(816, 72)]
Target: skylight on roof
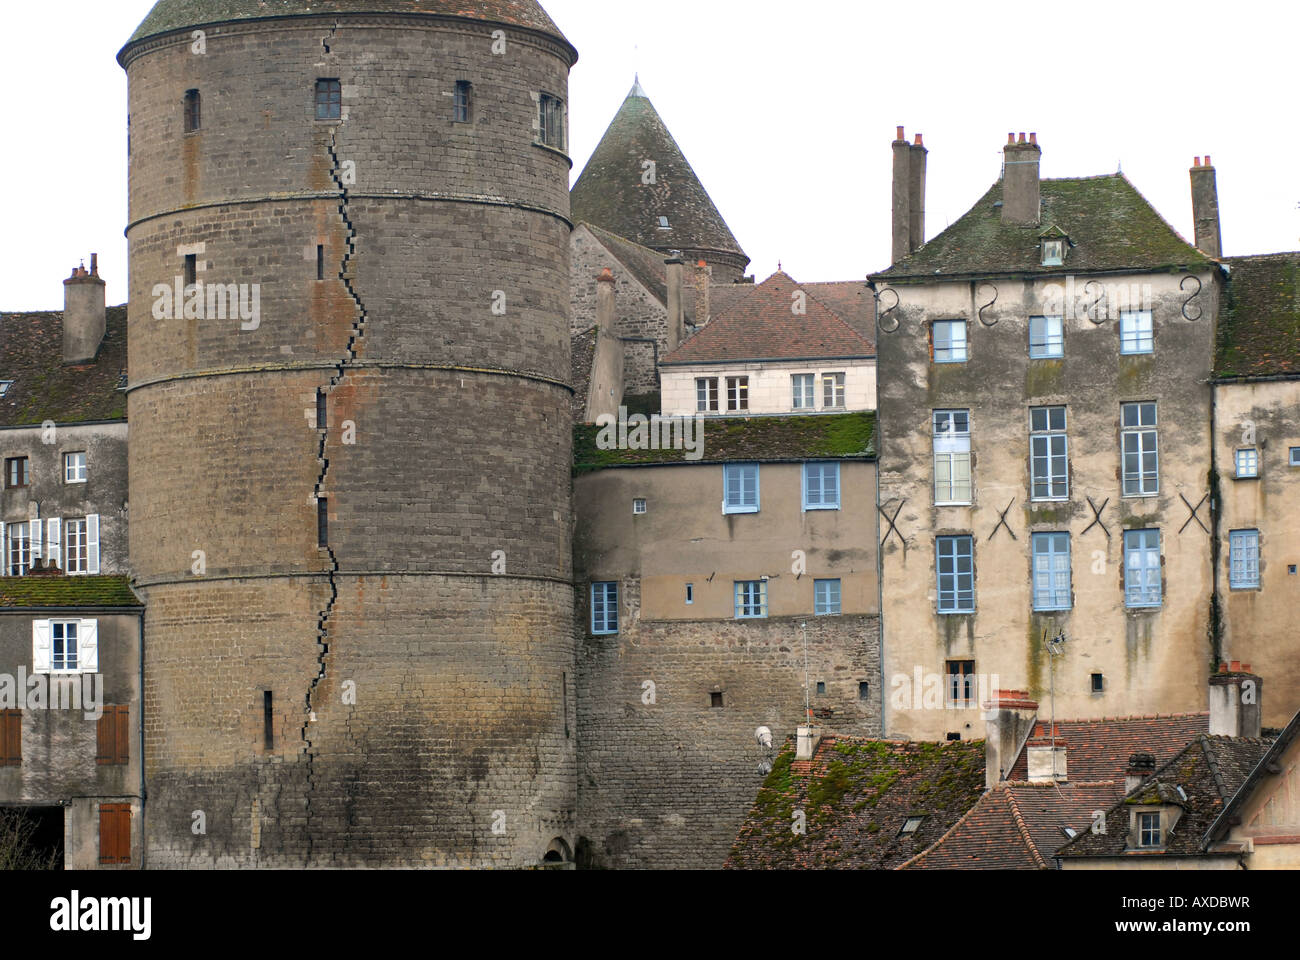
[(4, 387), (910, 826), (663, 224)]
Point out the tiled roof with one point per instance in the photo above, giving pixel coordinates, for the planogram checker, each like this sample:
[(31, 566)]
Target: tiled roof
[(170, 15), (1259, 322), (852, 302), (44, 388), (1099, 750), (765, 439), (764, 326), (64, 591), (582, 355), (610, 191), (857, 794), (725, 297), (645, 265), (1111, 226), (1209, 771)]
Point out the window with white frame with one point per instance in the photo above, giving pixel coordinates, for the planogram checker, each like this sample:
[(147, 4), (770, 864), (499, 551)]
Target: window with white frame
[(1049, 461), (65, 646), (18, 549), (1243, 559), (1046, 337), (804, 387), (1142, 568), (80, 544), (751, 599), (1053, 253), (955, 566), (1148, 829), (1247, 463), (826, 598), (952, 472), (74, 467), (1140, 450), (604, 608), (1295, 456), (949, 337), (1051, 571), (821, 486), (740, 488), (706, 394), (737, 393), (833, 391), (639, 506), (1136, 332)]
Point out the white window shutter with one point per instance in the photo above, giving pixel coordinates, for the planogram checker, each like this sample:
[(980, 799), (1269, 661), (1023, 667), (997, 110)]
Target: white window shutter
[(40, 646), (4, 550), (92, 543), (88, 646), (36, 539), (54, 535)]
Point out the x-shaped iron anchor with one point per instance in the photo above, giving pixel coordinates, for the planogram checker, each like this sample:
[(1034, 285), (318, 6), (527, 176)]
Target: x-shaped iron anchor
[(893, 524), (1096, 517), (1195, 511), (1002, 522)]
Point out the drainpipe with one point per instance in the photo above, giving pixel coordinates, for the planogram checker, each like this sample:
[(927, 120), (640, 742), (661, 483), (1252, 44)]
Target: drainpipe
[(1216, 611)]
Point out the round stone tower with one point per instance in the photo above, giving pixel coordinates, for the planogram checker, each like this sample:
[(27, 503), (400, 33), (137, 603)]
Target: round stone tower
[(350, 438)]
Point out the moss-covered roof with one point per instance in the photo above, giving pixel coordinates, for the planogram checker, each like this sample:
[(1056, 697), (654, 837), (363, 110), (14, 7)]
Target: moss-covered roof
[(765, 439), (63, 591), (44, 387), (1110, 224), (611, 193), (168, 15), (1259, 322), (856, 795)]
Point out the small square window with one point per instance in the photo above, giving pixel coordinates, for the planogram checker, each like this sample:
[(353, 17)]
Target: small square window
[(1148, 829), (821, 688), (949, 341), (864, 690), (638, 506), (329, 99), (4, 387), (1136, 333), (1247, 463), (1098, 683), (74, 467), (1053, 253), (821, 486), (690, 594), (715, 700), (740, 492), (826, 598), (663, 224), (1295, 451), (1046, 337), (17, 472), (751, 599)]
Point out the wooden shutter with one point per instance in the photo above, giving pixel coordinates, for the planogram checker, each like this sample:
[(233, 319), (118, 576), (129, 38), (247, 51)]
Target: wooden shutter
[(123, 729), (11, 738), (92, 544), (54, 538), (114, 833), (113, 736), (88, 646), (41, 649)]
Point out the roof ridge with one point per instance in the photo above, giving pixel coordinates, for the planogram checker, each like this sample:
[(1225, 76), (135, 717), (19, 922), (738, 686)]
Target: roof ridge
[(960, 820), (1025, 835)]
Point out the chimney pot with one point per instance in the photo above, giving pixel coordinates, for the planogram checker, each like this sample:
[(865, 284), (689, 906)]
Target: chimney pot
[(1033, 138), (901, 135), (1207, 161), (1245, 668), (1196, 161), (1011, 138), (1236, 666), (919, 141), (1022, 136)]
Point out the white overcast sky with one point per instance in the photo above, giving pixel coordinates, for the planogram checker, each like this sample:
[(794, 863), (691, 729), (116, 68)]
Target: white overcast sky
[(785, 110)]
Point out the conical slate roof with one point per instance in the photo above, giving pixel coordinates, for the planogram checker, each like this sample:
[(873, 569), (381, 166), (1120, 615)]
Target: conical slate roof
[(168, 15), (613, 193)]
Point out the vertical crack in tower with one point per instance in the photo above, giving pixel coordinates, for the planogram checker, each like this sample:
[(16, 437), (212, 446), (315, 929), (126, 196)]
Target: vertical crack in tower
[(340, 372)]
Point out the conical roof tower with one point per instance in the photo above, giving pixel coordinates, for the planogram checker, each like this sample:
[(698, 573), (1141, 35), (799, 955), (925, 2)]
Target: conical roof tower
[(664, 206)]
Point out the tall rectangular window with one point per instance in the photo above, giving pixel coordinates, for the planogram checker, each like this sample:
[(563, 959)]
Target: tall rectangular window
[(952, 473), (1148, 829), (706, 394), (1046, 337), (751, 599), (1049, 461), (961, 683), (1248, 463), (1243, 559), (737, 393), (551, 121), (63, 646), (18, 547), (604, 608), (833, 391), (826, 598), (329, 99), (462, 101), (76, 543), (193, 111), (1140, 450), (1142, 568), (1052, 571), (740, 488), (320, 261), (17, 472), (74, 467), (1136, 332), (956, 574), (268, 719), (803, 385), (949, 341), (821, 486), (191, 269)]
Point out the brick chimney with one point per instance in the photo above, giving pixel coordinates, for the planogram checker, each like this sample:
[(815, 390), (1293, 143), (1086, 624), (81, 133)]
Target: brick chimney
[(916, 195), (902, 198), (1021, 200), (703, 281), (1008, 719), (1046, 756), (1235, 697), (1205, 208), (676, 309), (84, 313), (605, 301), (1140, 767)]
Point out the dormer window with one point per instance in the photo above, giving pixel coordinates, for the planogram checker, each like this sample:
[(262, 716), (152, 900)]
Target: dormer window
[(1053, 252), (1148, 830), (663, 224)]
